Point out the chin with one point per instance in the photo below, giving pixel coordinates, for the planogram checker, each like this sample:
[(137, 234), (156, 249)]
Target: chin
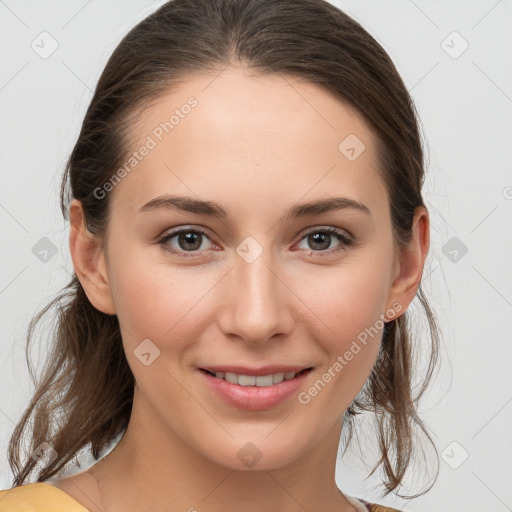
[(261, 454)]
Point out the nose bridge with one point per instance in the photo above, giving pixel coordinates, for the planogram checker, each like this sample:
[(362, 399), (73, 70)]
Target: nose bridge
[(257, 301)]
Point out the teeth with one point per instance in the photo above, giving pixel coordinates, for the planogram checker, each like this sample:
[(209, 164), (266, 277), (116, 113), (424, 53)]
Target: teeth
[(278, 377), (247, 380), (231, 377), (251, 380)]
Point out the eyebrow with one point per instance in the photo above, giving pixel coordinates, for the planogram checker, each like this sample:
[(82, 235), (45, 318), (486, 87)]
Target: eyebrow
[(191, 205)]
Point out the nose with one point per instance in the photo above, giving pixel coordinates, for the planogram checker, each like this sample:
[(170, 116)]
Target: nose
[(257, 302)]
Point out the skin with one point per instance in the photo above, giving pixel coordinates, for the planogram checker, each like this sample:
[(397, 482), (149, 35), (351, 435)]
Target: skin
[(256, 145)]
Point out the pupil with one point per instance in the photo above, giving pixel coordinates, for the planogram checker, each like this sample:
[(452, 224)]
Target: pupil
[(190, 237), (318, 236)]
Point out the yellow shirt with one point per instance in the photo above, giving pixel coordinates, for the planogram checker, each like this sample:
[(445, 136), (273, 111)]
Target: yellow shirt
[(43, 497), (38, 497)]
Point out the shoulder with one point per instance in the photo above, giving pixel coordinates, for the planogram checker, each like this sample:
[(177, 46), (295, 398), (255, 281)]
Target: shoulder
[(374, 507), (382, 508), (38, 497)]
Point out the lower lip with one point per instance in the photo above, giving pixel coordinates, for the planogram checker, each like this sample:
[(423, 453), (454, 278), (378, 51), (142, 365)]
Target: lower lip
[(255, 398)]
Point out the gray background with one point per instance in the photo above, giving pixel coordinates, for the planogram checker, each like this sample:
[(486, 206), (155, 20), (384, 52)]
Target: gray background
[(464, 99)]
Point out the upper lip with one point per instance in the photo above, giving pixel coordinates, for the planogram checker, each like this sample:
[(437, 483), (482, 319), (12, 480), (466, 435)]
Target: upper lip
[(261, 371)]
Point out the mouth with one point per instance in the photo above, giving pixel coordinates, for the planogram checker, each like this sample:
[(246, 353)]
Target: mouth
[(260, 380), (255, 389)]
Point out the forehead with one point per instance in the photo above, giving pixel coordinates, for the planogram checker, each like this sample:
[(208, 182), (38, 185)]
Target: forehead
[(238, 137)]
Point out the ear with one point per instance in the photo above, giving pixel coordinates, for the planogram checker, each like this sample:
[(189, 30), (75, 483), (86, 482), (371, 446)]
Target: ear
[(89, 261), (411, 259)]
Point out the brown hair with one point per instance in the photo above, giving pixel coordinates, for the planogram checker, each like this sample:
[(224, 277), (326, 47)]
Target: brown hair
[(86, 390)]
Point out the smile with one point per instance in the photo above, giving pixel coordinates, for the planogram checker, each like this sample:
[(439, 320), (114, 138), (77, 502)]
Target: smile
[(254, 392), (252, 380)]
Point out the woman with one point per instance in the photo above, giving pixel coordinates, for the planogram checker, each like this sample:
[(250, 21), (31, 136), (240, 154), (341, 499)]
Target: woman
[(256, 132)]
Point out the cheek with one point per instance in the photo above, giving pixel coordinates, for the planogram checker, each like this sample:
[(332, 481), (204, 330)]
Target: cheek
[(133, 288), (349, 300), (142, 299), (157, 301), (348, 318)]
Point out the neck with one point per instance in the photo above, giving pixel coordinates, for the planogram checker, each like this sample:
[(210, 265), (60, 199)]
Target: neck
[(141, 473)]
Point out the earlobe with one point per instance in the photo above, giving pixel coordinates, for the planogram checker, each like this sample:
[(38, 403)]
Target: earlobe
[(411, 261), (89, 261)]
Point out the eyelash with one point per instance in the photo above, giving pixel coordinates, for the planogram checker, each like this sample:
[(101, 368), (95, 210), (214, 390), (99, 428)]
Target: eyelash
[(341, 236)]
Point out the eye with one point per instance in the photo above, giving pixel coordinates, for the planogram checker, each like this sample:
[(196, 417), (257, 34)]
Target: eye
[(188, 240), (320, 239)]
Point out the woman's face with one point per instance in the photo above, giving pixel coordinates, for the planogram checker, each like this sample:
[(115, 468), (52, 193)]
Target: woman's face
[(259, 286)]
